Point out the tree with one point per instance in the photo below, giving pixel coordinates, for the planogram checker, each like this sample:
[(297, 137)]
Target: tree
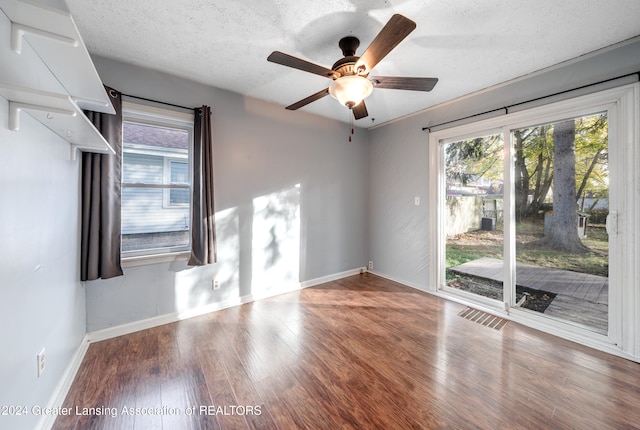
[(563, 233), (592, 158), (533, 165), (472, 159), (534, 162)]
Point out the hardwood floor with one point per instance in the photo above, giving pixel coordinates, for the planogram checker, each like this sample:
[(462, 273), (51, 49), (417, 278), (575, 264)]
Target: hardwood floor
[(362, 352)]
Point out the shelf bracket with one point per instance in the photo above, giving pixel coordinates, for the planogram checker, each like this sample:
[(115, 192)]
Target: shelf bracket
[(74, 151), (16, 108), (19, 30)]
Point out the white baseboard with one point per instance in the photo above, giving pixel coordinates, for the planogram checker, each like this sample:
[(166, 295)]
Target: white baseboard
[(159, 320), (62, 389), (132, 327), (330, 278), (400, 281)]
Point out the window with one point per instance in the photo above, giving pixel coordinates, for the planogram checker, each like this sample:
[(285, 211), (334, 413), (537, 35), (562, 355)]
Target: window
[(156, 180)]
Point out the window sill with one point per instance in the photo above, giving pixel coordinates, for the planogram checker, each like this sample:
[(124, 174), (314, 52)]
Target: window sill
[(145, 260)]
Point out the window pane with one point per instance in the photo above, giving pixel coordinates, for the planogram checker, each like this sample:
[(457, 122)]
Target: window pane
[(146, 224), (179, 175), (562, 203), (178, 196), (179, 172), (474, 215), (155, 218)]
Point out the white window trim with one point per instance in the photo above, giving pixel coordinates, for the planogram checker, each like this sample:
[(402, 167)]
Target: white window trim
[(622, 103), (144, 260), (151, 115)]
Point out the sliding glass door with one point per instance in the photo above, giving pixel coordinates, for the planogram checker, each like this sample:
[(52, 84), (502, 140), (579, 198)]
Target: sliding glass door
[(528, 210)]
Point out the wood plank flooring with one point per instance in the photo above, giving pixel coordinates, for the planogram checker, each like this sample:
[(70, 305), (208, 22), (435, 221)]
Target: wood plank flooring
[(362, 352)]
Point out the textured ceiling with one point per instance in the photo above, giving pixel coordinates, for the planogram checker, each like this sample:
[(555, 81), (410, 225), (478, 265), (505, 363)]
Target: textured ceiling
[(468, 44)]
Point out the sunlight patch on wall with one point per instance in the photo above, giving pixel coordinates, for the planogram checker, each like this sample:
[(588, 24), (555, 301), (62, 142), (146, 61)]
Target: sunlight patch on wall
[(193, 286), (276, 242)]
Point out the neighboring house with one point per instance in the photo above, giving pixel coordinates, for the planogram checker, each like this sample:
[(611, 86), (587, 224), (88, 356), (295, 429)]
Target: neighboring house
[(152, 213)]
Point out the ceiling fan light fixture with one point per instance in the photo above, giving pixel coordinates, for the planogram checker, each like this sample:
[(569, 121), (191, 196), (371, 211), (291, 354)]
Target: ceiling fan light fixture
[(350, 90)]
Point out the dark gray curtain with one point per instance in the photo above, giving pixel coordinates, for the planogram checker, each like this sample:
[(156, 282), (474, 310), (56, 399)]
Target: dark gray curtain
[(101, 199), (203, 228)]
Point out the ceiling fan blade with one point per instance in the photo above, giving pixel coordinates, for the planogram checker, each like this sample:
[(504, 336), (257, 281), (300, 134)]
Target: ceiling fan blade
[(398, 83), (360, 110), (311, 98), (297, 63), (389, 37)]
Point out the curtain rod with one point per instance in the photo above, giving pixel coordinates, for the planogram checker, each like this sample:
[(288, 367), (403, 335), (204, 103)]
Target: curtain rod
[(506, 108), (158, 101)]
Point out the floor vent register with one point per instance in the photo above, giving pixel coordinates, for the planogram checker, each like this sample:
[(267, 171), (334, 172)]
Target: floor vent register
[(483, 318)]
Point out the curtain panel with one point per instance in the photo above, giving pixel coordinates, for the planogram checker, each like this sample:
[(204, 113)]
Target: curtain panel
[(101, 199), (203, 228)]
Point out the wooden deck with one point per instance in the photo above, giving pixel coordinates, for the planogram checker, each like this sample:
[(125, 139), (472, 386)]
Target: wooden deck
[(581, 297)]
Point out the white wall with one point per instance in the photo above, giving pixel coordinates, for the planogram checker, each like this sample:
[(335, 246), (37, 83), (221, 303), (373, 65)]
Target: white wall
[(42, 299), (291, 203), (398, 158)]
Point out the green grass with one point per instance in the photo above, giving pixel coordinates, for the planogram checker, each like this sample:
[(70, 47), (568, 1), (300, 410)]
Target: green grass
[(457, 255)]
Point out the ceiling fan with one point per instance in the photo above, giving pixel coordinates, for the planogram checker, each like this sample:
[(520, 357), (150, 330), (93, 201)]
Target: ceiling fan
[(351, 81)]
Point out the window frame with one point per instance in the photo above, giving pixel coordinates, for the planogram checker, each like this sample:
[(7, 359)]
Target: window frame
[(164, 118)]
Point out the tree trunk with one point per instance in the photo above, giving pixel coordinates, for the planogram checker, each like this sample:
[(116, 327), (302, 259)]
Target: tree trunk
[(521, 178), (563, 231), (542, 174)]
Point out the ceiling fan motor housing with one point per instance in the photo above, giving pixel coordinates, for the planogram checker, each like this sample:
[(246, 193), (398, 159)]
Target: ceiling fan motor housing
[(345, 66)]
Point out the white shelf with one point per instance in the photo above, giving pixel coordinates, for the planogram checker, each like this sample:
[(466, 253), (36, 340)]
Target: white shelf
[(46, 71), (57, 112)]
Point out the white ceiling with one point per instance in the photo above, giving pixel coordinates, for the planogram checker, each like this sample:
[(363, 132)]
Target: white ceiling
[(468, 44)]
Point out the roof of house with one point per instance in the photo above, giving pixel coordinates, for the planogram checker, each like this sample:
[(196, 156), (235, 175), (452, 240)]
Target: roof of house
[(156, 137)]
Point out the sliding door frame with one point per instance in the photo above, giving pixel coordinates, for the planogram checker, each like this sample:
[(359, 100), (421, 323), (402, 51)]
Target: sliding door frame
[(621, 105)]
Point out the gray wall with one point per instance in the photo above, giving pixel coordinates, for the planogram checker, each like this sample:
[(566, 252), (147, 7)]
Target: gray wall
[(397, 227), (42, 300), (398, 156), (291, 199)]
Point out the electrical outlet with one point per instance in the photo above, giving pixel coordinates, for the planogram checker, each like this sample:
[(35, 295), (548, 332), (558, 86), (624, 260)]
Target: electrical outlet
[(216, 284), (41, 362), (371, 265)]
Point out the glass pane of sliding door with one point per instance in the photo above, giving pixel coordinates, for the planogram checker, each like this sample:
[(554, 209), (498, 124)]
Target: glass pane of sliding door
[(474, 216), (561, 178)]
